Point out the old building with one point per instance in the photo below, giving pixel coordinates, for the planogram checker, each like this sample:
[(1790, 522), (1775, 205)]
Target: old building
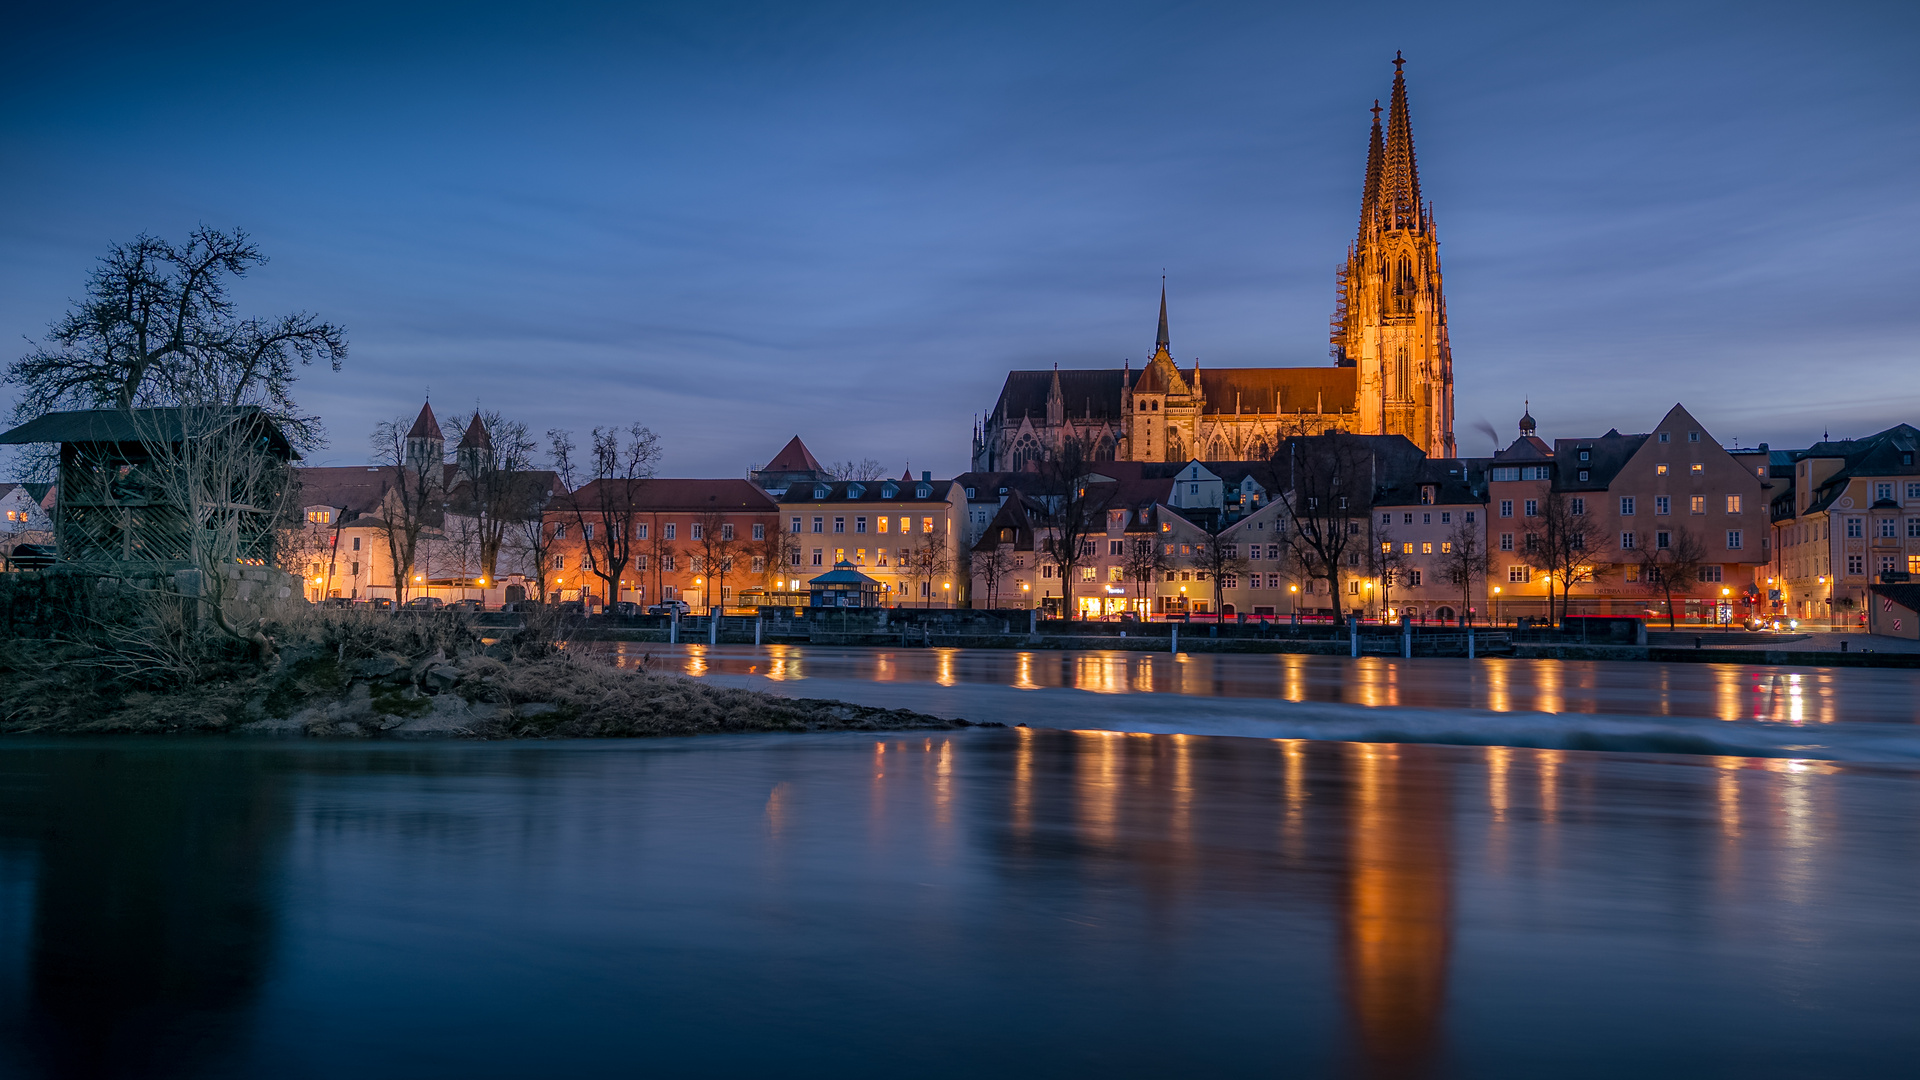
[(1392, 371), (703, 542), (906, 534), (1847, 514)]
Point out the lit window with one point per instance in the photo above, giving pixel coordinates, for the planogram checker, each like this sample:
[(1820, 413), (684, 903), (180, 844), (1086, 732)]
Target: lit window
[(1698, 504), (1733, 504), (1426, 549), (1406, 549), (1696, 467), (1446, 547), (1660, 469)]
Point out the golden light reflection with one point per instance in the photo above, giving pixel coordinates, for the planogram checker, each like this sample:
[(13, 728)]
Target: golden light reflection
[(943, 785), (1182, 818), (1098, 782), (1499, 759), (777, 809), (885, 667), (943, 667), (1548, 678), (696, 660), (1293, 668), (1499, 690), (1023, 781), (1022, 672), (1549, 765), (1397, 913), (783, 663), (1729, 796), (1726, 692)]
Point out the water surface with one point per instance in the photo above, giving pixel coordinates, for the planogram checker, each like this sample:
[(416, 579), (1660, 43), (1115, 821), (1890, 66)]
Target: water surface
[(1010, 902)]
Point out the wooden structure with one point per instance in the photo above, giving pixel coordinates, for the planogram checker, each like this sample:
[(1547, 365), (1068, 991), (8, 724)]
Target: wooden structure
[(844, 587), (136, 485)]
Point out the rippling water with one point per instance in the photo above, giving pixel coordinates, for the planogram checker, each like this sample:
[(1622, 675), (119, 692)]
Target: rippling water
[(1001, 902)]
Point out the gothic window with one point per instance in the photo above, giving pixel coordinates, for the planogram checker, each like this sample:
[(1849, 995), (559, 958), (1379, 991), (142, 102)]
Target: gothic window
[(1403, 286), (1105, 450), (1026, 454)]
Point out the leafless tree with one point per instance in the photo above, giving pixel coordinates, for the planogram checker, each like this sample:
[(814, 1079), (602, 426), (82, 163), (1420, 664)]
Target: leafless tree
[(1386, 561), (500, 487), (1077, 511), (532, 540), (1216, 559), (1146, 560), (991, 563), (1670, 567), (864, 469), (415, 504), (1464, 559), (1563, 548), (775, 549), (927, 562), (606, 492), (719, 547), (157, 327), (1328, 482)]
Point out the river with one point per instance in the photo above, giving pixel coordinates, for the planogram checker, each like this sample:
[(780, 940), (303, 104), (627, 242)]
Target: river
[(1067, 899)]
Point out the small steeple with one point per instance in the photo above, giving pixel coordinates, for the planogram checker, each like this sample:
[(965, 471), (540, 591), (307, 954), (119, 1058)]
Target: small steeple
[(425, 445), (1376, 155), (1160, 342), (1526, 421)]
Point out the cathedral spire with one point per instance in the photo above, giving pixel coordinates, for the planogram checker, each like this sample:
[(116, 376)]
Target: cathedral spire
[(1370, 192), (1400, 178), (1160, 342)]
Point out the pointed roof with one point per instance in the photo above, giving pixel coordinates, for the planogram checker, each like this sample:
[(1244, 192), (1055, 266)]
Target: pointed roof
[(1160, 342), (476, 437), (425, 426), (1526, 419), (794, 457), (1399, 175), (907, 477), (1370, 192)]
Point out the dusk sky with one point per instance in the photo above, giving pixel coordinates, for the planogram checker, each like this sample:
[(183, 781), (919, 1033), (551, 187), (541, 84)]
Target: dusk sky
[(739, 222)]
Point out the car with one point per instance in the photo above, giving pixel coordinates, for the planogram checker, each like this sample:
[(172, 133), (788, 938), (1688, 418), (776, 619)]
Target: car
[(337, 602), (626, 609), (573, 607), (426, 603), (466, 605), (379, 603), (522, 607), (670, 607)]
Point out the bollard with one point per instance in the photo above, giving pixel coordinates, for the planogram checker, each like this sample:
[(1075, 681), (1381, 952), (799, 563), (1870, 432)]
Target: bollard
[(1843, 646), (713, 626), (756, 631), (673, 627), (1406, 641), (1469, 642), (1353, 638)]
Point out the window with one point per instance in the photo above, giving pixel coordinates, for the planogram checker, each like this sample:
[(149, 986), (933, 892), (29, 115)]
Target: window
[(1426, 549), (666, 562), (1229, 581), (760, 531), (1273, 581), (669, 530), (1386, 547), (1426, 519), (1693, 436), (1533, 508), (1353, 587), (906, 524), (1663, 436), (726, 532), (859, 524), (1533, 541), (1470, 517), (318, 517), (1882, 491), (1253, 551), (1406, 519), (1446, 517), (356, 543), (926, 524), (1116, 547), (1086, 573), (1446, 547), (881, 523), (1520, 574), (1273, 551), (793, 525), (1578, 506), (1662, 540), (1660, 469), (1698, 504), (1506, 541), (819, 525), (1856, 528), (1505, 474), (839, 525), (1709, 574), (1583, 476), (1406, 549), (1696, 467), (1626, 506), (639, 562), (559, 562), (1386, 519), (1585, 456), (699, 531), (1733, 539), (1733, 504), (353, 568), (819, 556), (1913, 528), (839, 556), (1856, 565), (1413, 577), (1535, 472), (1506, 507), (1913, 491), (1662, 504), (1887, 528), (793, 557), (1626, 541), (559, 532)]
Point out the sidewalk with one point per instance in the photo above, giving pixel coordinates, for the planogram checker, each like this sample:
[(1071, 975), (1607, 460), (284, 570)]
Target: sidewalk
[(1817, 642)]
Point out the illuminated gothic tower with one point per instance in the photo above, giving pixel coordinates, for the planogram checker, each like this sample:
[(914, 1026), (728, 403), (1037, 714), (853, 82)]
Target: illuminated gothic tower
[(1391, 318)]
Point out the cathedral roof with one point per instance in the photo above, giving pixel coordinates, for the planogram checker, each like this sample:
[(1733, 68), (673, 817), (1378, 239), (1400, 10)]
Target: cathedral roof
[(476, 437), (1093, 392), (1267, 390), (1161, 376)]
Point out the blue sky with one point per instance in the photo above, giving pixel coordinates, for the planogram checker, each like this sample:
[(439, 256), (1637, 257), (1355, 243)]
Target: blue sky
[(740, 222)]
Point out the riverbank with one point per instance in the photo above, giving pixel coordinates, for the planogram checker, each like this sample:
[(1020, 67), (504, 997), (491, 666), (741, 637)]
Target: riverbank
[(318, 686)]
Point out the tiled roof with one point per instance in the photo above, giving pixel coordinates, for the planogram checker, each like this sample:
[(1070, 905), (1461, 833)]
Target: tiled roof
[(1607, 455), (794, 457), (663, 495), (1085, 392), (1291, 390), (424, 425), (865, 491)]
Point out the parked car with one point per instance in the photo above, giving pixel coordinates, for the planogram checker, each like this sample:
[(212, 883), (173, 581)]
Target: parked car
[(426, 603), (626, 609), (337, 602), (380, 603), (522, 607), (466, 605), (573, 607), (669, 607)]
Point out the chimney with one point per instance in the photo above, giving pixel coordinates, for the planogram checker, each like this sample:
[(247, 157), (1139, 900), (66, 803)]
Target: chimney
[(926, 476)]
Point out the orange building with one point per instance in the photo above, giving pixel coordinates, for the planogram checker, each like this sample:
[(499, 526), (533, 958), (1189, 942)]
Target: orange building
[(703, 542)]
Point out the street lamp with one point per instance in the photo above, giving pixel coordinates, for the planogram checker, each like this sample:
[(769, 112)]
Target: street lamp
[(1496, 605), (1726, 609)]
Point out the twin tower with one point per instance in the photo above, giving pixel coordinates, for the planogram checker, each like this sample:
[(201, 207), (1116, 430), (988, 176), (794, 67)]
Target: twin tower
[(1392, 371)]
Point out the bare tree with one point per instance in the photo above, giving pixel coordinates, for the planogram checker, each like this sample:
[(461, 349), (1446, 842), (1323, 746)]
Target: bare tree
[(718, 546), (1216, 559), (157, 327), (864, 469), (1329, 482), (1077, 511), (415, 503), (775, 549), (606, 492), (533, 541), (500, 487), (1671, 565), (1385, 560), (1145, 561), (927, 562), (1563, 548), (991, 563), (1464, 558)]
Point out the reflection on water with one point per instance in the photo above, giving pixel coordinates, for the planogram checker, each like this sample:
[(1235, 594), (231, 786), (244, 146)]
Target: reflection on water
[(1723, 691), (1116, 903)]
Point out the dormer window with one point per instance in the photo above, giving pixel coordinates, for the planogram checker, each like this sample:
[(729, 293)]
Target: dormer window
[(890, 489), (923, 491), (970, 493), (854, 491), (1586, 455), (820, 492)]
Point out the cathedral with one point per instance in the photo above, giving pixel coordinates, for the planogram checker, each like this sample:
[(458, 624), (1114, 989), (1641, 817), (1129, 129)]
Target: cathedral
[(1392, 370)]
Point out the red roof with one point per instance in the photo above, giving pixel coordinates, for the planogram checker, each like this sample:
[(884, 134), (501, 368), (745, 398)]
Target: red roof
[(684, 496), (476, 435), (794, 458), (425, 426)]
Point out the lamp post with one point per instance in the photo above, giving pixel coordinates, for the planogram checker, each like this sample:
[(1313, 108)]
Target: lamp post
[(1496, 606), (1822, 579), (1367, 597), (1726, 609), (947, 588)]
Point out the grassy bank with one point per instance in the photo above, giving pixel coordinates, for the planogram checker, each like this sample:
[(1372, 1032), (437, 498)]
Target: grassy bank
[(345, 674)]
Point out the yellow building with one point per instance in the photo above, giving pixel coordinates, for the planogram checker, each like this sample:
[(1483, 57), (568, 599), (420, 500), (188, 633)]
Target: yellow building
[(1849, 517)]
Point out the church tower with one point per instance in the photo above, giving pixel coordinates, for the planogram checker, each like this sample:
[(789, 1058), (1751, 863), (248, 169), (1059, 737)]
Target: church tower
[(1390, 321)]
